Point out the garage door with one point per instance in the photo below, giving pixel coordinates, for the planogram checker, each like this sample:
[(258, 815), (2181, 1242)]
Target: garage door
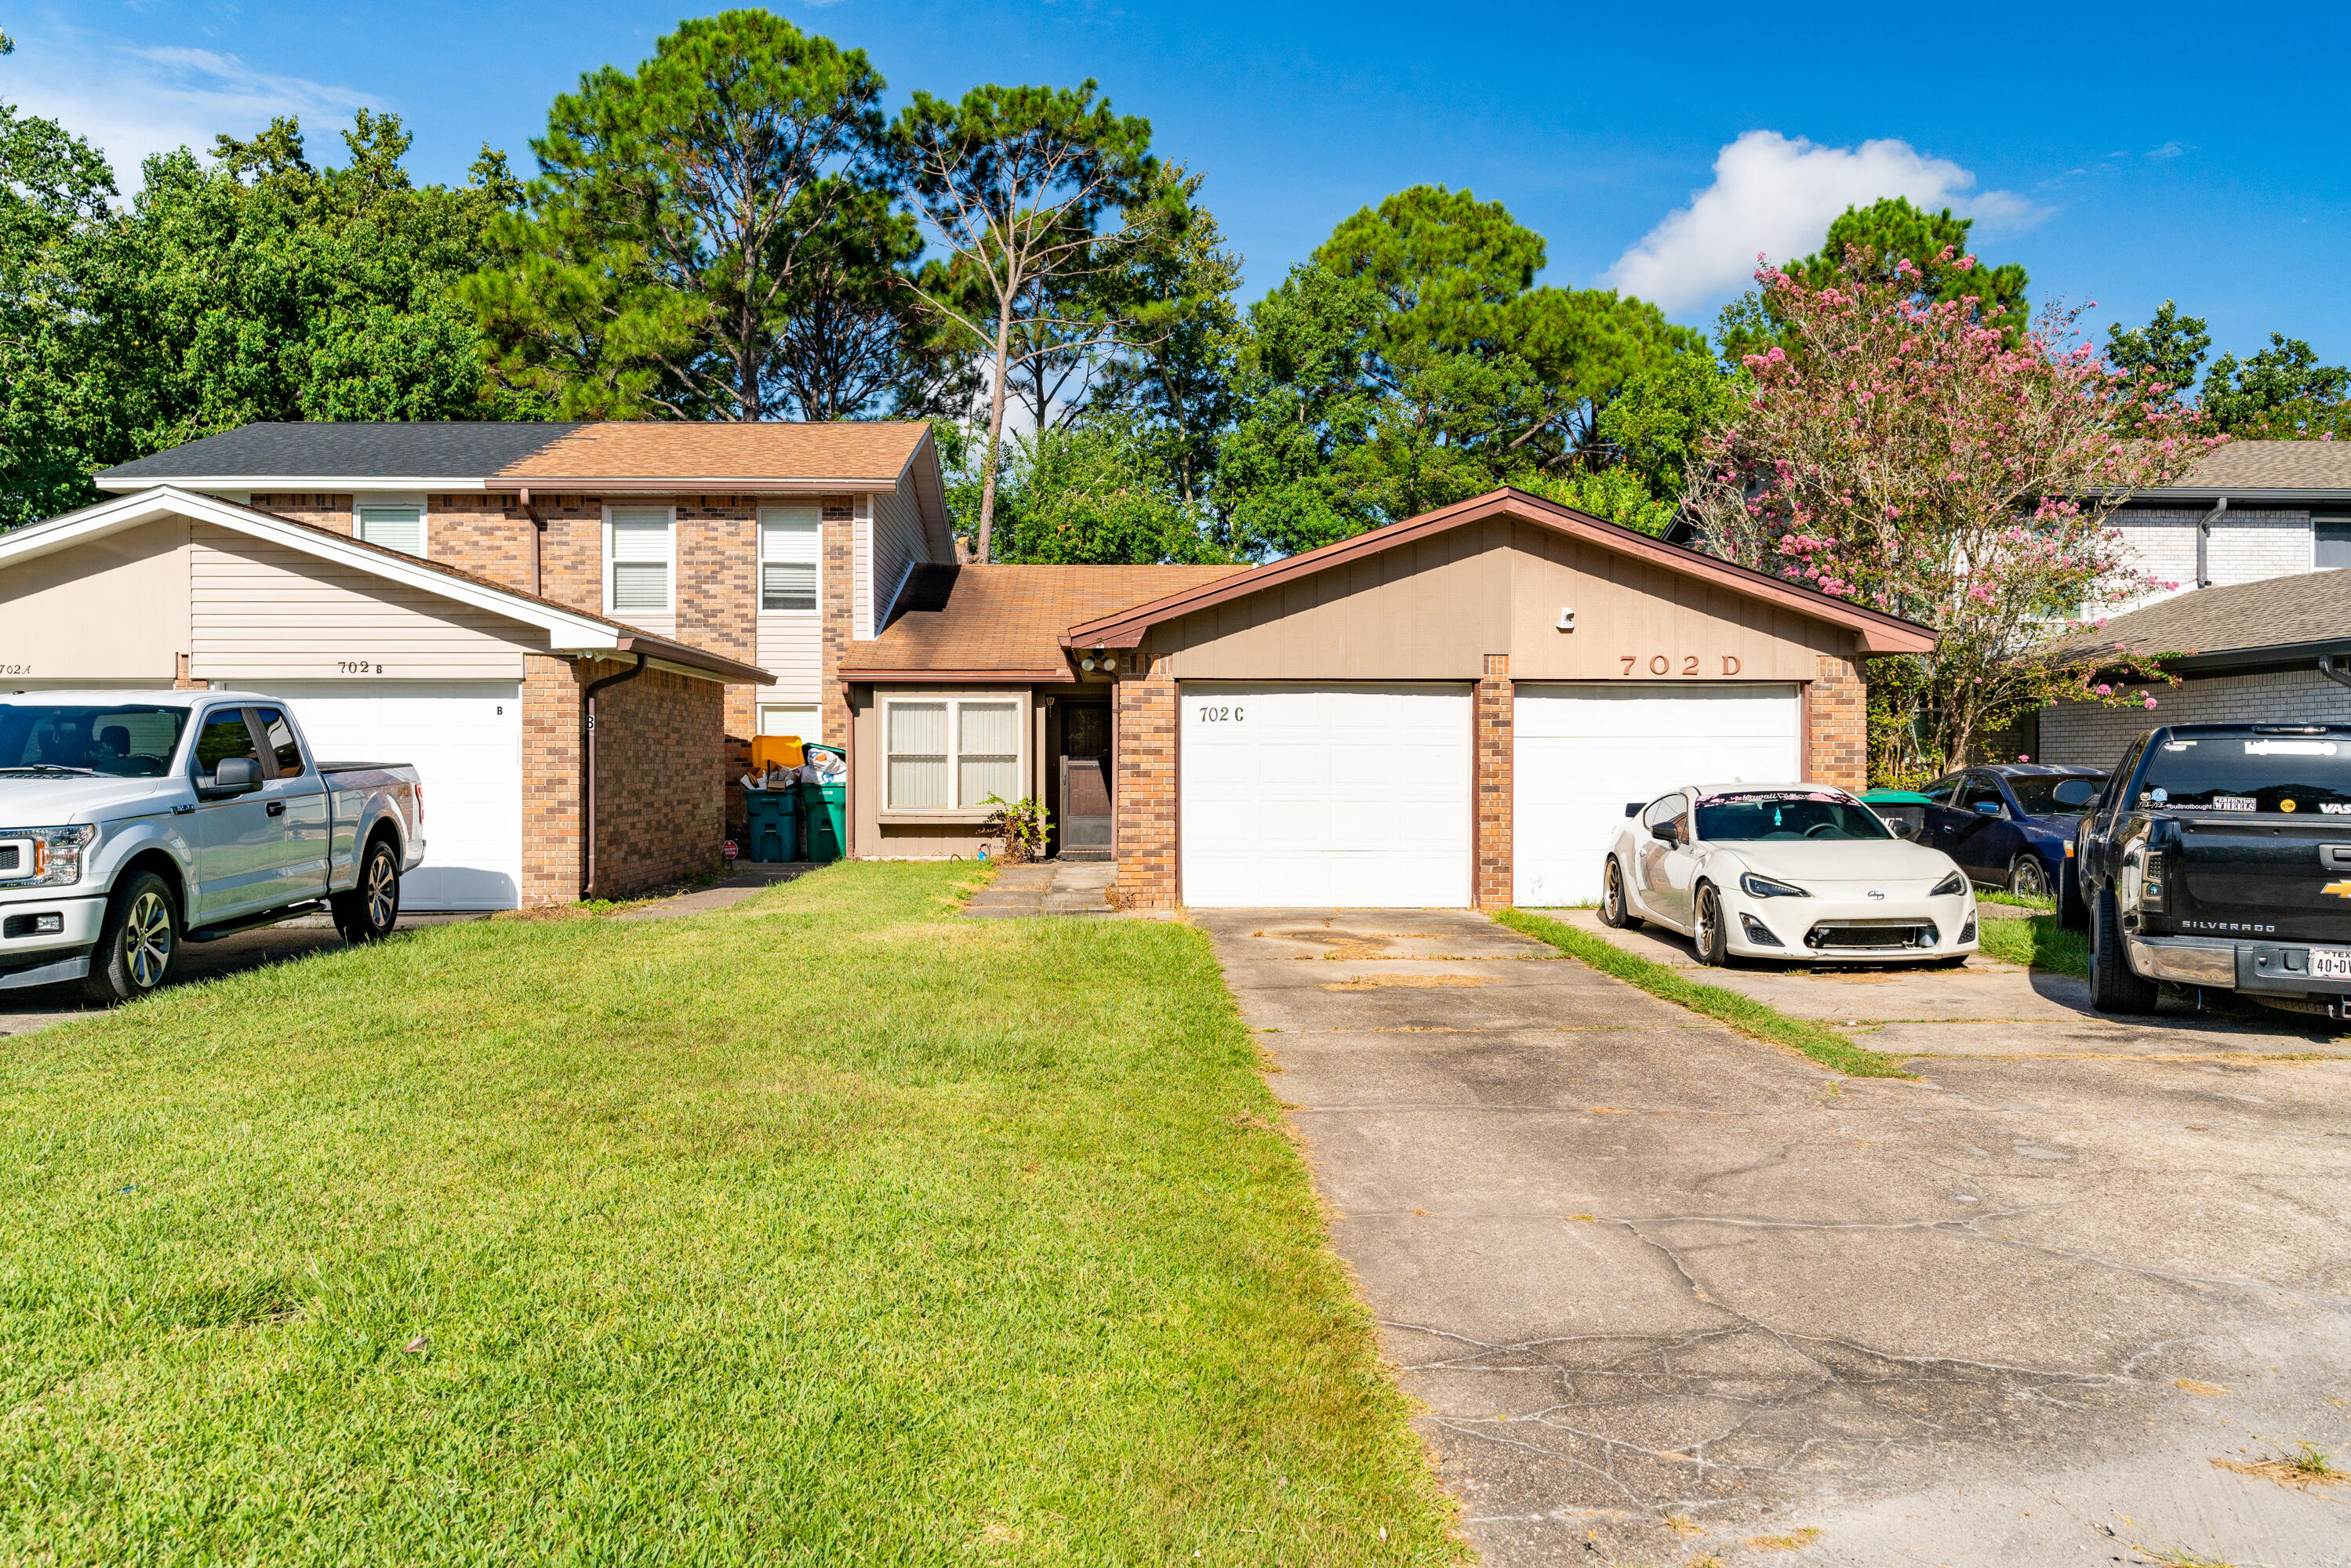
[(1582, 752), (1307, 796), (466, 740)]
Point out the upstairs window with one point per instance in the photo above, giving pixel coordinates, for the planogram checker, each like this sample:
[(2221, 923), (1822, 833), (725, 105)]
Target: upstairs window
[(788, 557), (2330, 539), (642, 558), (393, 524)]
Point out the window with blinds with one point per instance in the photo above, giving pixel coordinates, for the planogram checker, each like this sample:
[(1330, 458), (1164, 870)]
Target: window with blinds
[(788, 557), (951, 756), (641, 559), (393, 525)]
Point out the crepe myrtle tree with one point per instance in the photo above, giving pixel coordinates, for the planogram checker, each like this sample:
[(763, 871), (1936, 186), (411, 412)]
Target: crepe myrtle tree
[(1032, 193), (1929, 459)]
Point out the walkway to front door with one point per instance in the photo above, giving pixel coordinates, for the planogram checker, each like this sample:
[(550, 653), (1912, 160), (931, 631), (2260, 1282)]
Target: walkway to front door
[(1045, 887)]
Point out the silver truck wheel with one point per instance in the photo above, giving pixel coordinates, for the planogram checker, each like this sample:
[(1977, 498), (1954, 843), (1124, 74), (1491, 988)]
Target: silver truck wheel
[(370, 911), (137, 943)]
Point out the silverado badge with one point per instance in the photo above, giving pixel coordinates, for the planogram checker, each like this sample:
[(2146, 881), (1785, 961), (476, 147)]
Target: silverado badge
[(2338, 889)]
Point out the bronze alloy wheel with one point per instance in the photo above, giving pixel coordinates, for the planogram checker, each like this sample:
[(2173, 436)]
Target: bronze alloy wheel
[(2026, 879), (147, 939), (1706, 927)]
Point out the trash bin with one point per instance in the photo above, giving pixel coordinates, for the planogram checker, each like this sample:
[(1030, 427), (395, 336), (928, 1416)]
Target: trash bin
[(771, 826), (823, 808)]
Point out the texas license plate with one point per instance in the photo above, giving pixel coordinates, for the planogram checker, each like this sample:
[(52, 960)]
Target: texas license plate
[(2330, 964)]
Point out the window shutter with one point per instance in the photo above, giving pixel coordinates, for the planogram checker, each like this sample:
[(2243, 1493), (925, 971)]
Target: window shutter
[(392, 528)]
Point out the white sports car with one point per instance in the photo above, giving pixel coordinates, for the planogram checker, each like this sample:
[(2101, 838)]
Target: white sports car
[(1794, 872)]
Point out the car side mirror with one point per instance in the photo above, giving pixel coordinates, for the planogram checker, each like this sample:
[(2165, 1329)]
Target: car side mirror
[(1901, 826), (1987, 808), (1666, 830), (234, 775), (2075, 793)]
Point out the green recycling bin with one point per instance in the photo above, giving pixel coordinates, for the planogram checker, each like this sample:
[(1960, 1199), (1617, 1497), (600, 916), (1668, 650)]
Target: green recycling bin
[(824, 827), (771, 826)]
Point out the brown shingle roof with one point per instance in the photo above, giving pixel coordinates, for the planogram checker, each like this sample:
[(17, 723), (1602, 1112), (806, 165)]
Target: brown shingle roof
[(2271, 465), (874, 451), (2278, 612), (1008, 618)]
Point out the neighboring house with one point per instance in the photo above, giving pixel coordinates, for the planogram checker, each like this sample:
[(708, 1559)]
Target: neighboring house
[(2253, 652), (776, 545), (1452, 710), (389, 657), (2249, 511)]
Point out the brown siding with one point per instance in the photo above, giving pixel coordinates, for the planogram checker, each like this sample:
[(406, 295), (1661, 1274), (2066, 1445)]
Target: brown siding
[(113, 609)]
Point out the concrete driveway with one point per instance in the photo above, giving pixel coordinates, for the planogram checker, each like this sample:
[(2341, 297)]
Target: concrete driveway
[(1668, 1292)]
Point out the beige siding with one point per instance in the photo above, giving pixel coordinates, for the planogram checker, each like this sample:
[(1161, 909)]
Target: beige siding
[(791, 649), (1433, 609), (861, 572), (898, 545), (258, 608), (114, 608)]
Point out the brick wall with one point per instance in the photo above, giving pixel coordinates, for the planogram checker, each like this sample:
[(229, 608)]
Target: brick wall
[(2245, 547), (2094, 735), (1144, 698), (332, 513), (551, 781), (660, 796), (1495, 705), (837, 592), (1837, 751)]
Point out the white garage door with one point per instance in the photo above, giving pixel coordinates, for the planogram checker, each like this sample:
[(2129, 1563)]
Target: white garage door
[(1308, 796), (1582, 752), (466, 740)]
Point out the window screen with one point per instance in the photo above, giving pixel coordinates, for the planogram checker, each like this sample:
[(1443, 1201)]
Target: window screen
[(787, 558), (2330, 542), (917, 743), (400, 527), (640, 559), (987, 753)]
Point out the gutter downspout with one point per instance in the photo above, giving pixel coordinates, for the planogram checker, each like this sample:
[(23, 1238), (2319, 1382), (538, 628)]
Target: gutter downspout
[(538, 540), (2204, 544), (587, 883), (2327, 667)]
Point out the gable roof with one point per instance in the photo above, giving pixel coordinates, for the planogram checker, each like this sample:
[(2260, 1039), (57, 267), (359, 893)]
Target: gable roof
[(453, 454), (2281, 468), (569, 630), (1006, 622), (1880, 634), (2275, 623)]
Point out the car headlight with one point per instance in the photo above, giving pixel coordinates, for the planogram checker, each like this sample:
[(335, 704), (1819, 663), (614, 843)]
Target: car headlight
[(1949, 888), (1767, 887), (45, 857)]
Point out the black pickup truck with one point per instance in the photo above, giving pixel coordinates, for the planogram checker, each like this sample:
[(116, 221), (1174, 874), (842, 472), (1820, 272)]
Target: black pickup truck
[(2220, 856)]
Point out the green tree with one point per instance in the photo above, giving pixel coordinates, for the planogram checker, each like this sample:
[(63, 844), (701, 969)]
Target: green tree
[(1018, 187), (683, 215), (2281, 393), (1100, 493), (2160, 359), (1660, 420), (1889, 231)]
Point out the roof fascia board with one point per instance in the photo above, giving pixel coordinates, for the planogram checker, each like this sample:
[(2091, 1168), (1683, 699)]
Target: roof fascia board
[(692, 483), (152, 506), (2340, 496), (313, 482), (959, 677), (495, 482), (2258, 661), (732, 674), (1879, 633)]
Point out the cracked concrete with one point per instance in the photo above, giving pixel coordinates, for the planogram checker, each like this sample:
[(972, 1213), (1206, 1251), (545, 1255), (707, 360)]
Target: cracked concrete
[(1638, 1267)]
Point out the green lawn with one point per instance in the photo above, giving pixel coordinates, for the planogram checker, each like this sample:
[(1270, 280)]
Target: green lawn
[(829, 1229), (2038, 941)]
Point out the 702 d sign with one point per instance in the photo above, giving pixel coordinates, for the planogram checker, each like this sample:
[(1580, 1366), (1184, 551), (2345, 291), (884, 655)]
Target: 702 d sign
[(1691, 664)]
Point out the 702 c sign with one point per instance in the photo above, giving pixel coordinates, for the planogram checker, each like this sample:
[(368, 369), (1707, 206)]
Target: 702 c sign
[(1691, 664)]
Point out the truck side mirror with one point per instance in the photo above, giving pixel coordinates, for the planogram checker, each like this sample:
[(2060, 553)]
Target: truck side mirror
[(234, 775), (2075, 793)]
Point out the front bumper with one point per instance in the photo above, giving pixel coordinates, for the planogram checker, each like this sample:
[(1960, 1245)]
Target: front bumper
[(2262, 969), (34, 957), (1816, 930)]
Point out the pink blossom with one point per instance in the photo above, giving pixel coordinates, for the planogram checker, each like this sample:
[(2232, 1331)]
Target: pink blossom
[(2150, 703), (2104, 690)]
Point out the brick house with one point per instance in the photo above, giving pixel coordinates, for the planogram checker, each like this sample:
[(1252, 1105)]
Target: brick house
[(2248, 511), (1452, 710), (564, 753)]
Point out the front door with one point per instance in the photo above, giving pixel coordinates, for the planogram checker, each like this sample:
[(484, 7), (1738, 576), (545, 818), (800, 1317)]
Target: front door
[(1085, 780)]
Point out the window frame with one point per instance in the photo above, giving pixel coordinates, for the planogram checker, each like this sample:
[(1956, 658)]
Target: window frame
[(389, 499), (814, 710), (759, 560), (1023, 721), (669, 561), (2335, 522)]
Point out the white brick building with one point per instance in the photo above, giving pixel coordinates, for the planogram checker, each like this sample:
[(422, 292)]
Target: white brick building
[(2249, 511)]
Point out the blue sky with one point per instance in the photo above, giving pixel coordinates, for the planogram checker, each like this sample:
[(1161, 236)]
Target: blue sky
[(2123, 154)]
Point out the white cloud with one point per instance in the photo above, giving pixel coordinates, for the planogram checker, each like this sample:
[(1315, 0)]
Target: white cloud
[(131, 102), (1776, 195)]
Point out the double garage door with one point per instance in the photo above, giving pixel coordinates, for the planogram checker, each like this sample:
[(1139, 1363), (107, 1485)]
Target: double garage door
[(1361, 795), (465, 740)]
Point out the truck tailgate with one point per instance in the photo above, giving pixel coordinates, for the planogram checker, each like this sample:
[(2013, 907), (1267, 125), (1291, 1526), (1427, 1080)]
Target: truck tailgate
[(2292, 878)]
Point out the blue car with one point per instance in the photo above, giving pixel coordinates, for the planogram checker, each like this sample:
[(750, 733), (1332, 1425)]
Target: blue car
[(2012, 825)]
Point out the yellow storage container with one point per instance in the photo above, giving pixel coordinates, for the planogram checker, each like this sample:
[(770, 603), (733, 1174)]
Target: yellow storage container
[(775, 751)]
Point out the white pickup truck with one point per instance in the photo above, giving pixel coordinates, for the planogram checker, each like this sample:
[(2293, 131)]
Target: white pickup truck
[(133, 821)]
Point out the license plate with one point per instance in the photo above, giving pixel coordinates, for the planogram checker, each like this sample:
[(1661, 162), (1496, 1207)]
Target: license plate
[(2330, 964)]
